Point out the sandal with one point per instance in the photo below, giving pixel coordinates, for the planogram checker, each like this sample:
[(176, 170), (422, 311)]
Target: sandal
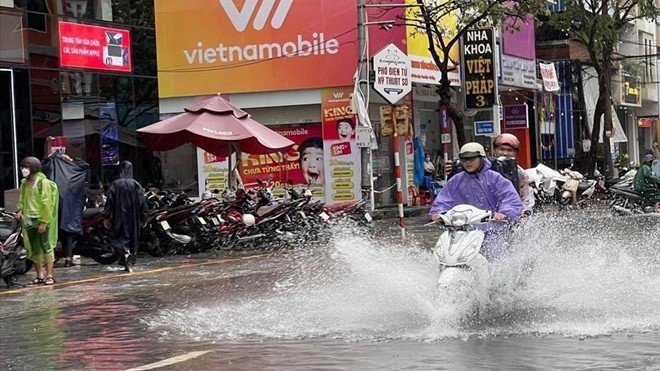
[(37, 281), (49, 281)]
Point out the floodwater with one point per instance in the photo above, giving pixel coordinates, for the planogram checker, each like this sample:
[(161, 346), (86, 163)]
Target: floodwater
[(589, 299)]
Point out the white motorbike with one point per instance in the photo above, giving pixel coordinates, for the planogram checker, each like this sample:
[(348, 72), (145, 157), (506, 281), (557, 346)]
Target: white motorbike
[(464, 279), (577, 189)]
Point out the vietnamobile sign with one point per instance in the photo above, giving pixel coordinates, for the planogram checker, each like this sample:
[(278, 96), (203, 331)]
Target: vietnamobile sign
[(235, 46)]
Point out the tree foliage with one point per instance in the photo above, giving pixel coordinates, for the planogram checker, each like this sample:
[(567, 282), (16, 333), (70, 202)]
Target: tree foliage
[(430, 17)]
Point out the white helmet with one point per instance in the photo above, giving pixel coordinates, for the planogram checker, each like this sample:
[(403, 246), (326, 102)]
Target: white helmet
[(472, 149), (248, 219)]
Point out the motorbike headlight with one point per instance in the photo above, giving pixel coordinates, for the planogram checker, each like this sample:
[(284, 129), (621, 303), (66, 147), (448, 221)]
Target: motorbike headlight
[(459, 220)]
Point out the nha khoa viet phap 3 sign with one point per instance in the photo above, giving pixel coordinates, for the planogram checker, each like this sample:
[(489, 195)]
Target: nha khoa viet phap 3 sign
[(235, 46), (479, 77)]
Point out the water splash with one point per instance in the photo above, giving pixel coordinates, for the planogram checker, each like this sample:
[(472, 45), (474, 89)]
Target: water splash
[(576, 276)]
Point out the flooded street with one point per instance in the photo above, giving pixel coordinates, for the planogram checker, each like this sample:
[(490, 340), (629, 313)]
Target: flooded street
[(590, 301)]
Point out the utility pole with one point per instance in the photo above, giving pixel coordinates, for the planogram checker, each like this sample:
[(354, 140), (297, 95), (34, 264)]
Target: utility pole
[(364, 86)]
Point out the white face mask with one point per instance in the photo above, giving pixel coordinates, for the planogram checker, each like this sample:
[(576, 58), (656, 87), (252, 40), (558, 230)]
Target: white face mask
[(25, 172)]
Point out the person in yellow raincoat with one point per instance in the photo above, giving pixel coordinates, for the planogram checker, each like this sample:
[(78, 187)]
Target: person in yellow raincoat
[(37, 211)]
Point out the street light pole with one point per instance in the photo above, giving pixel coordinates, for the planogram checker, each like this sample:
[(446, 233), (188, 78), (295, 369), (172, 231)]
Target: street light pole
[(366, 159)]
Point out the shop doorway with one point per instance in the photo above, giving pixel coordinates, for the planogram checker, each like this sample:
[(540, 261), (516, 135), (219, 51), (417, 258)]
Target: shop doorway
[(8, 138)]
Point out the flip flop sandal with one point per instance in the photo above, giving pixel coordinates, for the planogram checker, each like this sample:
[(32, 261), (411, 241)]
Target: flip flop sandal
[(37, 281), (49, 281)]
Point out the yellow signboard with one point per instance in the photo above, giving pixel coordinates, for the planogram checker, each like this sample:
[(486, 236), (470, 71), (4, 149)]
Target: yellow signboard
[(424, 69)]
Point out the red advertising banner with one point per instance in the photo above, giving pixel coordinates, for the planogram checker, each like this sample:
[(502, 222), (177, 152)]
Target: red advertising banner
[(302, 164), (342, 157), (101, 48)]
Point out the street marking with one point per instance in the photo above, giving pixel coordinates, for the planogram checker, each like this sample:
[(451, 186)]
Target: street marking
[(142, 273), (169, 361)]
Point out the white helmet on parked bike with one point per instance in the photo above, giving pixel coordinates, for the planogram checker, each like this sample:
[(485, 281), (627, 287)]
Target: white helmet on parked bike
[(249, 220), (472, 149)]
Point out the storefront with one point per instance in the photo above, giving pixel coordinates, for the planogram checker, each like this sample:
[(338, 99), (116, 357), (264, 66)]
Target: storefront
[(80, 69), (294, 76)]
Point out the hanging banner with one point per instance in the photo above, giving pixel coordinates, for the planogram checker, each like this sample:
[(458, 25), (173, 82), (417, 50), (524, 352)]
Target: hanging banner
[(549, 75), (479, 77), (392, 73), (341, 154)]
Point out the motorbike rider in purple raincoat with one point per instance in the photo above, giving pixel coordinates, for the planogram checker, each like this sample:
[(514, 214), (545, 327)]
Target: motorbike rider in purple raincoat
[(483, 188)]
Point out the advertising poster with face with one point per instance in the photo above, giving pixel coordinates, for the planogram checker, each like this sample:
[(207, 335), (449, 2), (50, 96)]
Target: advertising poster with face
[(303, 164), (342, 157)]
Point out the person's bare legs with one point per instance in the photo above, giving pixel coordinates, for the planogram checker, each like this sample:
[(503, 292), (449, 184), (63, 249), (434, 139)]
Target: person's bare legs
[(49, 269), (39, 269)]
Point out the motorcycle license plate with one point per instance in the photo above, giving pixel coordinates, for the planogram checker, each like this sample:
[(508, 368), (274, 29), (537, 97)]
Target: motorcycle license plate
[(201, 220), (368, 217), (302, 213), (325, 216), (215, 221), (165, 225)]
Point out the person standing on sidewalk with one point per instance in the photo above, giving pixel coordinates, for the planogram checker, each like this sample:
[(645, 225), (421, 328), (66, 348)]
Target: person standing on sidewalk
[(70, 176), (37, 210), (126, 209)]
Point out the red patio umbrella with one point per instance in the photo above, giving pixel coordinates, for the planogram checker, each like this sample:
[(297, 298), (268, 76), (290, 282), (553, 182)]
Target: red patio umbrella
[(216, 126)]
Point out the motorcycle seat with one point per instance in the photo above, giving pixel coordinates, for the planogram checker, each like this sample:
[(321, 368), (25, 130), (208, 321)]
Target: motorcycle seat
[(91, 212), (8, 225), (630, 193), (266, 209), (584, 185)]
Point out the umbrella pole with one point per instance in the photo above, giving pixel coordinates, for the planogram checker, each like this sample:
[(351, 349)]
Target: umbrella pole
[(229, 166)]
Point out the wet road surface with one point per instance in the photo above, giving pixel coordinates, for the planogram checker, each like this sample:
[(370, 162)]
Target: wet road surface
[(359, 303)]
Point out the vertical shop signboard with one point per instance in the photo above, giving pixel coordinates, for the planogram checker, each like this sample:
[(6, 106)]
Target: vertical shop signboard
[(212, 172), (479, 78), (341, 154)]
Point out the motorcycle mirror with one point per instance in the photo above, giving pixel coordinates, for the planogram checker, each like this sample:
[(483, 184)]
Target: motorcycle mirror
[(260, 182)]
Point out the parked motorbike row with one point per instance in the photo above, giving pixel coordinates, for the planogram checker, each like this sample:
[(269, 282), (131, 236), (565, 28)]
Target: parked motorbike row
[(624, 200), (568, 187), (241, 219), (563, 188)]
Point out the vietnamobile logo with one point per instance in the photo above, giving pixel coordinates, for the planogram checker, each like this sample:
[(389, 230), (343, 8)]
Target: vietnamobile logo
[(257, 13)]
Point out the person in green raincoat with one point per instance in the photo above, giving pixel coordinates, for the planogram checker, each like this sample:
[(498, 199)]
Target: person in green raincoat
[(646, 183), (37, 211)]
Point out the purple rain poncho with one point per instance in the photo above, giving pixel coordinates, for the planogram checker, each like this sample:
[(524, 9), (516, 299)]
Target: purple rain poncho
[(487, 190)]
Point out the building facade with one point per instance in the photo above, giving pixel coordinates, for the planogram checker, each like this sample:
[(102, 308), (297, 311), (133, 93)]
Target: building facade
[(81, 69)]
